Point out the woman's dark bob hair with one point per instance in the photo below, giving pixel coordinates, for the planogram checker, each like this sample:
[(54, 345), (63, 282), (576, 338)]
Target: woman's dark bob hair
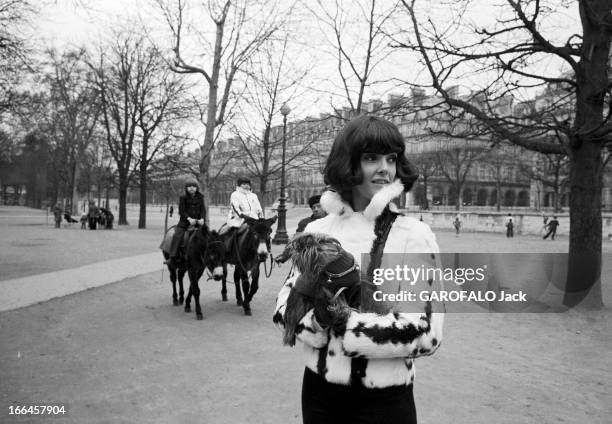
[(365, 134)]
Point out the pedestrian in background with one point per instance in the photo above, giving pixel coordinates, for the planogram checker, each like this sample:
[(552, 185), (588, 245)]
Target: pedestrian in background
[(457, 225), (317, 212), (510, 228), (171, 211), (544, 224), (57, 214), (92, 215), (552, 228)]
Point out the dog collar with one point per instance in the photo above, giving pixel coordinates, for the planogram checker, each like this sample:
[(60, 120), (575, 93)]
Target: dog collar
[(331, 275)]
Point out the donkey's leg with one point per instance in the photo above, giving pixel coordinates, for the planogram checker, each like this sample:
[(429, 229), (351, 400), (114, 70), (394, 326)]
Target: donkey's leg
[(190, 293), (196, 293), (237, 284), (172, 271), (224, 284), (181, 275), (245, 289), (254, 283)]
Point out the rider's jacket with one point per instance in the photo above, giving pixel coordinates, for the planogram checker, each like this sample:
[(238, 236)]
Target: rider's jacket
[(243, 202), (191, 207), (384, 345)]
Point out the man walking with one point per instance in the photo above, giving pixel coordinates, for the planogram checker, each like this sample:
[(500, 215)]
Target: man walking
[(552, 228), (57, 214), (457, 225), (509, 228), (317, 212)]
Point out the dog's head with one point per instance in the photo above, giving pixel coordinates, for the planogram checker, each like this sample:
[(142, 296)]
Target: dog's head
[(312, 252), (321, 257)]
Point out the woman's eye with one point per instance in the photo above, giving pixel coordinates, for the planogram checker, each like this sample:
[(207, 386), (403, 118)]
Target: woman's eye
[(392, 159), (369, 158)]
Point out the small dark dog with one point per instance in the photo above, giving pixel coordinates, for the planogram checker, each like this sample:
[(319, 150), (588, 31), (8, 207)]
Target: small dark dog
[(329, 281)]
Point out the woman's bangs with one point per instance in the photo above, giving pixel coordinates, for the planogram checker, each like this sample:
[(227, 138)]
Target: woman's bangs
[(382, 145)]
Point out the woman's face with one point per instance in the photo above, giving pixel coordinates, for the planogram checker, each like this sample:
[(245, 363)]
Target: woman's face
[(378, 171)]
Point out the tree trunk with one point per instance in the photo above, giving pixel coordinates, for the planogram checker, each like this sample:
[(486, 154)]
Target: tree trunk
[(263, 184), (142, 215), (123, 186), (425, 204), (167, 211), (204, 184), (584, 263), (498, 200), (583, 287), (458, 196)]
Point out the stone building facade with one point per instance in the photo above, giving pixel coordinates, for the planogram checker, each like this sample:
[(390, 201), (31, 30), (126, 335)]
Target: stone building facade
[(506, 173)]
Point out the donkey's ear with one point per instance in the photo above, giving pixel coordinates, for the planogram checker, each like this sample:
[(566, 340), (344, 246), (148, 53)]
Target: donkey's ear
[(272, 220), (250, 221)]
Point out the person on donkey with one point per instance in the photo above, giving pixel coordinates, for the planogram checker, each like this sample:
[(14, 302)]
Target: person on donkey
[(243, 203), (191, 212)]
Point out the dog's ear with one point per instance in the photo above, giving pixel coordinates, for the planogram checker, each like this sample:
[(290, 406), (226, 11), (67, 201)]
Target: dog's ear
[(304, 252)]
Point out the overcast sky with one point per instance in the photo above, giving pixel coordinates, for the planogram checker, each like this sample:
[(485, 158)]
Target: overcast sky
[(66, 23)]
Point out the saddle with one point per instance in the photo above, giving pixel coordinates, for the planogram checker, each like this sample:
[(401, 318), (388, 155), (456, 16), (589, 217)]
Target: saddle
[(189, 232), (237, 236)]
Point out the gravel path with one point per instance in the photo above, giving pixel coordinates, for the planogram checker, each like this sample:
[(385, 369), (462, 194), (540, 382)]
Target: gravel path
[(121, 353)]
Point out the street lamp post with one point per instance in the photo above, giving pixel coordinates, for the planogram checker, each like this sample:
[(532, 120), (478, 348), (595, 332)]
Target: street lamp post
[(281, 229)]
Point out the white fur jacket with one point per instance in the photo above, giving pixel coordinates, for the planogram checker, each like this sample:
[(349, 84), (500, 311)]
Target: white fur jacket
[(383, 346)]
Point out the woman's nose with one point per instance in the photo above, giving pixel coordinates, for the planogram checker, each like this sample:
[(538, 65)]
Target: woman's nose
[(383, 167)]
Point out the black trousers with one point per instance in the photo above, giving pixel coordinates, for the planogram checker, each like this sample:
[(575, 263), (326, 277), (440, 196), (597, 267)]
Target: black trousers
[(329, 403), (552, 232)]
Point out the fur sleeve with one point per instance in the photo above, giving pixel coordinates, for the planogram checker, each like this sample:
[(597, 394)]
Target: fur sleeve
[(400, 334), (308, 330), (281, 298), (393, 335)]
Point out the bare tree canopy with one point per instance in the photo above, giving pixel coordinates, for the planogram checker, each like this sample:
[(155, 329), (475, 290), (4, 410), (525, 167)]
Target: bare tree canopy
[(14, 49), (508, 54), (356, 41), (217, 56)]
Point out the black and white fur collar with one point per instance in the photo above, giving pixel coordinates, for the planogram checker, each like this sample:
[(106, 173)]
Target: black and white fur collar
[(332, 202)]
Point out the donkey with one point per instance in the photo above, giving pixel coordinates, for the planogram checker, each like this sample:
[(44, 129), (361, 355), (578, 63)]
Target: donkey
[(246, 251), (204, 250)]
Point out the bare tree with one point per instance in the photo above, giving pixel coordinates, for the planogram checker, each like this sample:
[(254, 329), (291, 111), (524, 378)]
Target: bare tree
[(549, 171), (74, 109), (160, 106), (121, 74), (239, 32), (428, 166), (576, 113), (274, 79), (455, 164), (14, 49), (355, 37)]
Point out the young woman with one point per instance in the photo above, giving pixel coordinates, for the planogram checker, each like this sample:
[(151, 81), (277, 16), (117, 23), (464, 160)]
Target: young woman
[(359, 366)]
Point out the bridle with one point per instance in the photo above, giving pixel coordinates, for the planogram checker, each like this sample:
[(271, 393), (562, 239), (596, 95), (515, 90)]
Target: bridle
[(237, 252), (203, 257)]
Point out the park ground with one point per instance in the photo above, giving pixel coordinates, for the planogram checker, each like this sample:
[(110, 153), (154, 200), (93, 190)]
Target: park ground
[(121, 353)]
